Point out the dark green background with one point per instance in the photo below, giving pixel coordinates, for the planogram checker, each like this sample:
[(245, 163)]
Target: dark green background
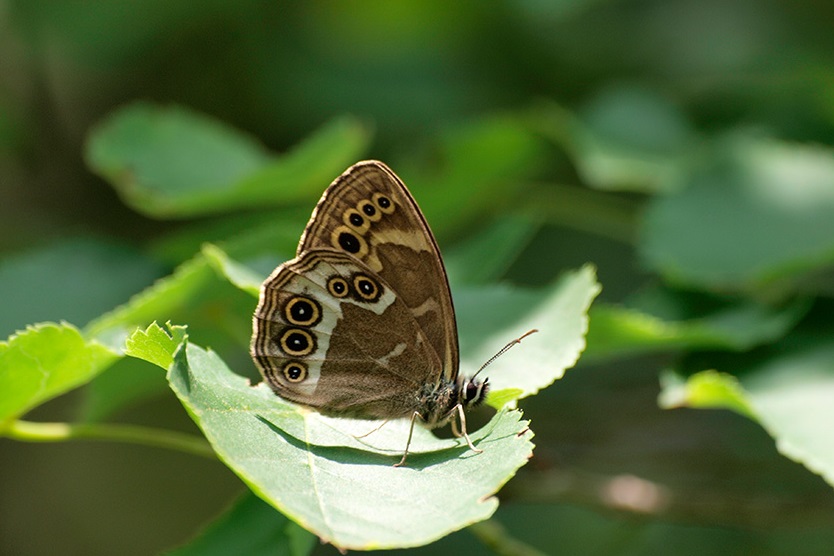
[(417, 72)]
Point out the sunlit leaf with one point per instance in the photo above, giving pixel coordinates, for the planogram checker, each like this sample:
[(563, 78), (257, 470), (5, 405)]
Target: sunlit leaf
[(491, 316), (347, 493), (155, 344), (45, 361)]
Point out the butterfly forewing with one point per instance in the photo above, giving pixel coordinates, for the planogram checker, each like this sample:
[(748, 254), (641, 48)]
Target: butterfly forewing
[(369, 214)]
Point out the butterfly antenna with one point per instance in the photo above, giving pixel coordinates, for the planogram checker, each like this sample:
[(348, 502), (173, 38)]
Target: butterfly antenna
[(504, 350)]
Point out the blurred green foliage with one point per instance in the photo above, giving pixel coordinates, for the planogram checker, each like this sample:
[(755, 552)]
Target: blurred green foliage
[(684, 147)]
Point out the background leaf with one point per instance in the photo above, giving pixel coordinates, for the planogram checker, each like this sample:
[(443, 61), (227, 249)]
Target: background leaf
[(759, 213), (171, 161), (789, 395), (559, 313), (251, 527), (734, 325), (491, 253), (625, 138), (192, 293)]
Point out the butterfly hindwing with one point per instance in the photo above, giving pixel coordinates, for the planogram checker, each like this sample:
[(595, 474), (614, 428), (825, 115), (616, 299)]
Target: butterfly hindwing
[(332, 335)]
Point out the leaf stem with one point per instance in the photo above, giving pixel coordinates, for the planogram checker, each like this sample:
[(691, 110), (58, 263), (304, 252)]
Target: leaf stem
[(494, 536), (28, 431)]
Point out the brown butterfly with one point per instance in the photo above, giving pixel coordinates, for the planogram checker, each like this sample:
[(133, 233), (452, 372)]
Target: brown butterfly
[(361, 323)]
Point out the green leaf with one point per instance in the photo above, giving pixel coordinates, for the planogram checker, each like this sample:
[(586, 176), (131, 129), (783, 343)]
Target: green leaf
[(343, 488), (617, 331), (493, 157), (155, 345), (172, 162), (505, 396), (253, 234), (43, 362), (250, 527), (625, 139), (307, 169), (758, 212), (789, 394), (270, 424), (158, 302), (491, 316), (241, 276), (163, 159), (706, 389)]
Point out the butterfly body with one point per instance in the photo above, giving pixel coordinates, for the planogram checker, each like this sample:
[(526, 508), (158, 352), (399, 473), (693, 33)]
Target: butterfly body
[(437, 403), (361, 323)]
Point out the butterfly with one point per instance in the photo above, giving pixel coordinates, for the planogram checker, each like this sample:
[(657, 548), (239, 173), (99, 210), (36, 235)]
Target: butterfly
[(361, 323)]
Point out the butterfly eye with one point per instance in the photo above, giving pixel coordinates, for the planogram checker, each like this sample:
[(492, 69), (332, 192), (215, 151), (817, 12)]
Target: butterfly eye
[(297, 342), (354, 219), (383, 203), (475, 392), (302, 311), (346, 239), (337, 286), (366, 288), (294, 371), (369, 209)]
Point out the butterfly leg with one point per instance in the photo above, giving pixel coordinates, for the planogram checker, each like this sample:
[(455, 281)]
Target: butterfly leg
[(414, 416), (454, 423), (459, 407)]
